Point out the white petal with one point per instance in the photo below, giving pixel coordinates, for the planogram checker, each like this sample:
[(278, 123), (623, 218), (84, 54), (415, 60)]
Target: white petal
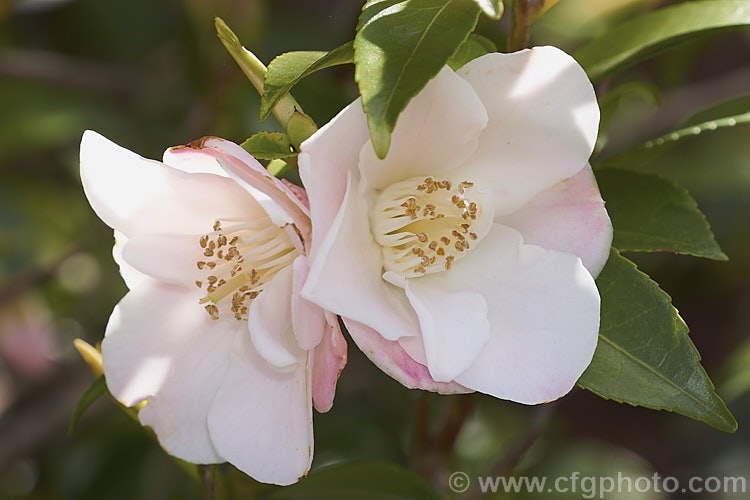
[(543, 122), (568, 217), (133, 194), (162, 346), (436, 133), (261, 418), (454, 324), (171, 258), (345, 276), (544, 318), (192, 164), (308, 319), (280, 202), (130, 275), (270, 322), (324, 160)]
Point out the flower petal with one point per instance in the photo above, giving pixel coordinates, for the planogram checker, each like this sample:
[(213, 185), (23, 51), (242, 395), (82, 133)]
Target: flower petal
[(261, 418), (328, 361), (130, 275), (281, 203), (270, 322), (161, 345), (192, 163), (133, 194), (309, 320), (324, 160), (436, 133), (568, 217), (543, 122), (454, 324), (390, 357), (544, 318), (345, 277), (170, 258)]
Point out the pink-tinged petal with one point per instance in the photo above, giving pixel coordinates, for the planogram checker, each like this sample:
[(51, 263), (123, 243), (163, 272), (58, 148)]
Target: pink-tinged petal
[(136, 195), (454, 324), (130, 275), (261, 418), (437, 132), (328, 361), (568, 217), (270, 323), (544, 318), (324, 160), (543, 122), (192, 164), (308, 319), (162, 346), (345, 276), (390, 357), (281, 203)]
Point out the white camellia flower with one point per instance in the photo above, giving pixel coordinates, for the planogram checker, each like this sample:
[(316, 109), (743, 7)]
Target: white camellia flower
[(465, 260), (213, 333)]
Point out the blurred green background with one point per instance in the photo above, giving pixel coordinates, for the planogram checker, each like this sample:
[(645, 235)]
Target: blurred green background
[(150, 74)]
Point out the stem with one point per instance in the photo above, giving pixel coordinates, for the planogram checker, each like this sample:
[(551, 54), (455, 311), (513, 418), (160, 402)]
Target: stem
[(255, 71), (525, 12)]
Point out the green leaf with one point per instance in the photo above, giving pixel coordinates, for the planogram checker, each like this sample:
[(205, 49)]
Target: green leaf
[(612, 101), (652, 214), (493, 8), (255, 71), (288, 69), (399, 49), (706, 121), (269, 146), (93, 393), (473, 47), (644, 356), (361, 480), (300, 127), (652, 33)]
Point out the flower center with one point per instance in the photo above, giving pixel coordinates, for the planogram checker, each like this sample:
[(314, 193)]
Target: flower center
[(241, 259), (424, 225)]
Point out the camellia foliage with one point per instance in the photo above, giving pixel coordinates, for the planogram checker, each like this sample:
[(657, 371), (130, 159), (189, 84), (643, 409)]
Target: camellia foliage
[(457, 223)]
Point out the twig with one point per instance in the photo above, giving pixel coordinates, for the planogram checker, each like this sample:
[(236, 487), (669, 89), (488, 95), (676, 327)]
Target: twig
[(525, 13)]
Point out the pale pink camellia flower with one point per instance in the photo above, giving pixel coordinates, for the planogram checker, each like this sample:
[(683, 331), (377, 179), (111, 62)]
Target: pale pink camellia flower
[(213, 333), (465, 260)]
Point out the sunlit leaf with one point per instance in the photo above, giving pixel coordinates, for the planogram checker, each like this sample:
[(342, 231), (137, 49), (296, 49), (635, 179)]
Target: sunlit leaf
[(652, 214), (398, 49), (288, 69), (269, 146), (652, 33), (644, 356), (473, 47), (493, 8)]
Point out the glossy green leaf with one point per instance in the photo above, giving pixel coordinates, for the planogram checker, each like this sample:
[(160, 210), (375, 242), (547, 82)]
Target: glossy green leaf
[(652, 214), (493, 8), (473, 47), (724, 115), (269, 146), (644, 356), (649, 34), (399, 49), (613, 100), (367, 480), (93, 393), (288, 69)]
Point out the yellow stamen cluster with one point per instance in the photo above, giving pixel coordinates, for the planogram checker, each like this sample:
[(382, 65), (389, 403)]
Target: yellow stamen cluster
[(423, 225), (243, 258)]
